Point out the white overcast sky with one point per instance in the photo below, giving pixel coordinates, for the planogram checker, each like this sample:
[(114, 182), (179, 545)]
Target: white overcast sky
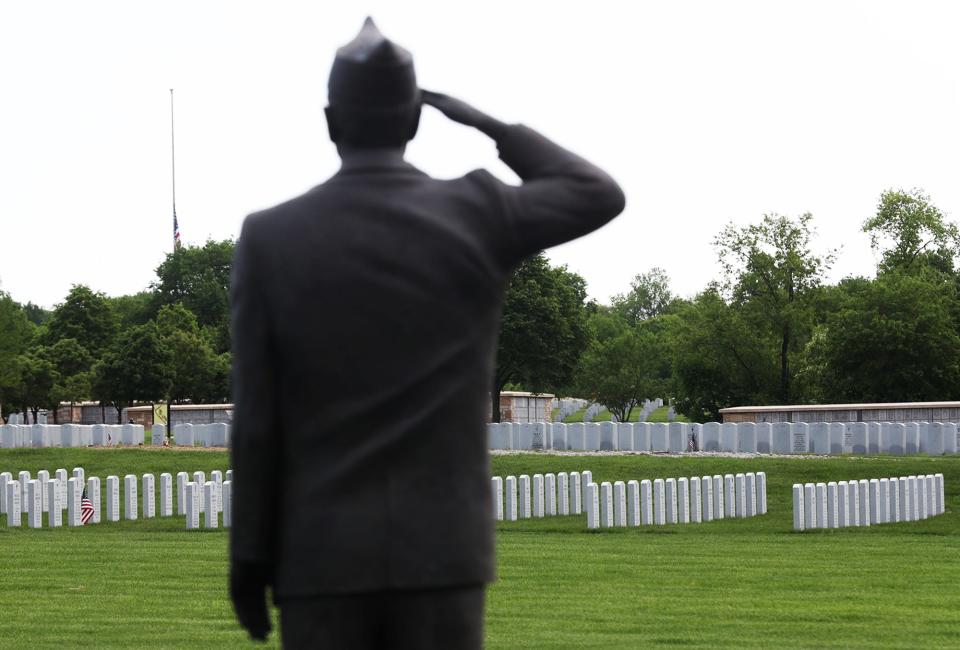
[(705, 112)]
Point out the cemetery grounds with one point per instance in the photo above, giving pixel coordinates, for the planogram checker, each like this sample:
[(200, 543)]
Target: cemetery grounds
[(730, 583)]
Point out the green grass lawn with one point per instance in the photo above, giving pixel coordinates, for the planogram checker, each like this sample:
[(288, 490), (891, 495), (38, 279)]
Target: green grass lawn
[(731, 583)]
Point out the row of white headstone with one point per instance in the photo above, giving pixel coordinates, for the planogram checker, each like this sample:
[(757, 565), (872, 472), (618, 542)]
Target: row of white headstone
[(691, 500), (549, 495), (898, 438), (867, 502), (36, 496), (13, 436)]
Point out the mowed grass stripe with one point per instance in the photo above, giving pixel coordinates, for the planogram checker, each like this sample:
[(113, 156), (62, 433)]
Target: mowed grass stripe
[(731, 583)]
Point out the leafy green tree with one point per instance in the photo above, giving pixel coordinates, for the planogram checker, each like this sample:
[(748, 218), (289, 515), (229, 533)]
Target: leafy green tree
[(621, 366), (68, 357), (910, 232), (772, 275), (137, 368), (649, 296), (72, 388), (199, 278), (543, 331), (16, 334), (717, 359), (894, 340), (36, 314), (86, 316), (134, 309), (37, 377)]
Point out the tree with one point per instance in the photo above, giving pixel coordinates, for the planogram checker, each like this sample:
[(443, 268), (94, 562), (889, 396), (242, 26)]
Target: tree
[(543, 331), (717, 359), (649, 296), (137, 368), (134, 309), (16, 334), (895, 340), (771, 275), (36, 314), (621, 366), (199, 279), (37, 377), (910, 232), (68, 357), (86, 316)]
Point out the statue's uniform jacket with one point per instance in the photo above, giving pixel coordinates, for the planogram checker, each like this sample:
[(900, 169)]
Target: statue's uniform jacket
[(365, 318)]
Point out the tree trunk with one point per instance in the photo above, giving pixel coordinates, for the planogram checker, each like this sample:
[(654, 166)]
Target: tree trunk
[(784, 367), (36, 412), (495, 402)]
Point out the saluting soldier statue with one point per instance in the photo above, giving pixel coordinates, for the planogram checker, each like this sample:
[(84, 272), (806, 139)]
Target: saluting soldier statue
[(365, 319)]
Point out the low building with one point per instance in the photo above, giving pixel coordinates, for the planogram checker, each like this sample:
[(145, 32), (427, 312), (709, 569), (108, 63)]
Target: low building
[(518, 406), (882, 412), (182, 414)]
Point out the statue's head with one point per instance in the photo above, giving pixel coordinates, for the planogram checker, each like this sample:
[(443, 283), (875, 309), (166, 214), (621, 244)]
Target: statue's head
[(372, 93)]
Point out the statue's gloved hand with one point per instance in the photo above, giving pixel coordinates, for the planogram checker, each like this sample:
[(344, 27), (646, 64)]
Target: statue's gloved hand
[(462, 112), (248, 591)]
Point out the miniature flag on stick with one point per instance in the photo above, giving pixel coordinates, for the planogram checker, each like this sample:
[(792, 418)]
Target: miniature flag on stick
[(86, 508)]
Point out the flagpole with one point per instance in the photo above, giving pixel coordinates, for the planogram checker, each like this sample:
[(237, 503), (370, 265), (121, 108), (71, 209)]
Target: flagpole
[(173, 173)]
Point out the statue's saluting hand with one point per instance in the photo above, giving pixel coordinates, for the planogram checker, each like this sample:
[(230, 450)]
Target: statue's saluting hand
[(463, 113)]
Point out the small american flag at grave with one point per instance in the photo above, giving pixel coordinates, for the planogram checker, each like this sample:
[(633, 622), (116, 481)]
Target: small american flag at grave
[(86, 508)]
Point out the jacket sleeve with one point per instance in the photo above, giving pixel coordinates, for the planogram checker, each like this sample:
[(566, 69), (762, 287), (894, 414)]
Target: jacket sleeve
[(254, 443), (562, 196)]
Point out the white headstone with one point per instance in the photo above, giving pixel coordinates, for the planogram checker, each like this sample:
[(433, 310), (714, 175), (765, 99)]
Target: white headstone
[(683, 501), (538, 495), (646, 502), (591, 438), (764, 437), (633, 503), (526, 508), (586, 476), (894, 503), (93, 493), (606, 505), (706, 498), (14, 518), (670, 499), (696, 503), (659, 437), (563, 494), (799, 437), (677, 439), (799, 517), (747, 438), (182, 480), (5, 477), (839, 443), (74, 492), (853, 502), (576, 494), (619, 503), (130, 497), (211, 516), (54, 511), (922, 512), (873, 437), (149, 496), (113, 498), (659, 502), (940, 494), (200, 478), (728, 437), (166, 495), (781, 438), (193, 506), (61, 475), (903, 489), (641, 436), (44, 477), (228, 503), (718, 497), (740, 495), (710, 433), (592, 498), (608, 436), (858, 437), (550, 494), (821, 496), (729, 496), (865, 519), (809, 506), (35, 513), (24, 478), (751, 485), (510, 506), (833, 506), (819, 437), (496, 489), (157, 435), (843, 505), (625, 436), (883, 505)]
